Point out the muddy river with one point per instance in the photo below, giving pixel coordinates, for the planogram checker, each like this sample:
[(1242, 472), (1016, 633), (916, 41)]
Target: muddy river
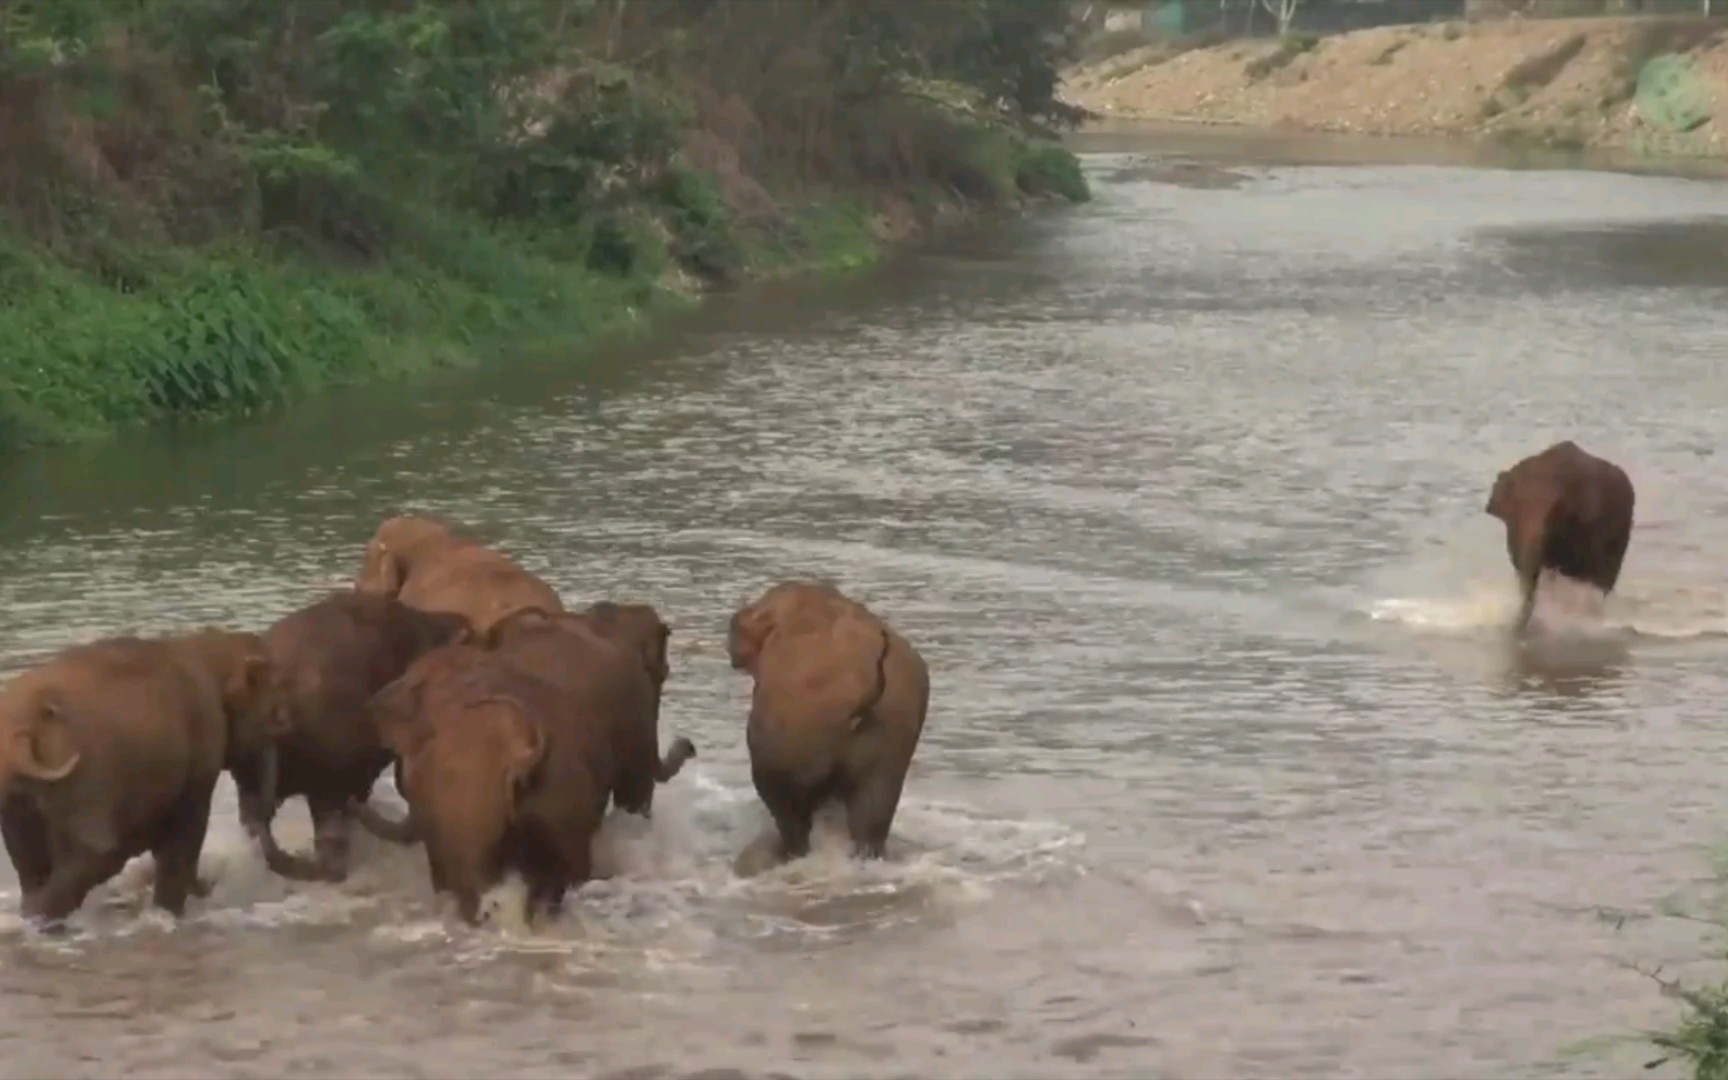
[(1231, 768)]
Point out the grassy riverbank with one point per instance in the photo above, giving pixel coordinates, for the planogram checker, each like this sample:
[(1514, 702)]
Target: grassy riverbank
[(1656, 86), (216, 206)]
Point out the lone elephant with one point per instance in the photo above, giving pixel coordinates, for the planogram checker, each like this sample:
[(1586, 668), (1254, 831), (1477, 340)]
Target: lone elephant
[(612, 659), (501, 773), (330, 658), (836, 711), (112, 748), (1565, 510), (425, 564)]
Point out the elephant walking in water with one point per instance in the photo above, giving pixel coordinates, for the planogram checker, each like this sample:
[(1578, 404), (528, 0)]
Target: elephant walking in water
[(611, 659), (836, 711), (331, 657), (1565, 510), (112, 748), (426, 564), (503, 772)]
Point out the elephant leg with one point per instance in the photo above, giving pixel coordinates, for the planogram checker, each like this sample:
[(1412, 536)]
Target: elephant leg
[(1612, 558), (545, 895), (331, 836), (870, 807), (177, 850), (26, 836), (255, 817), (793, 808), (75, 873), (633, 791)]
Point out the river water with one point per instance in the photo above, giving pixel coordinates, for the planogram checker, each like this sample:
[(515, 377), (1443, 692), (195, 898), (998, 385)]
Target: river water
[(1230, 768)]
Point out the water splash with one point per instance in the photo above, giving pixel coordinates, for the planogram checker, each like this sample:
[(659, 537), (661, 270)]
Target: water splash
[(665, 889), (1568, 608)]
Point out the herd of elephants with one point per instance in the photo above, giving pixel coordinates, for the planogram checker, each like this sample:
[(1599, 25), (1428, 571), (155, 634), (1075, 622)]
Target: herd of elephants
[(511, 720)]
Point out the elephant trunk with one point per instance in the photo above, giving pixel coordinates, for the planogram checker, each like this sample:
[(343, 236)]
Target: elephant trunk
[(682, 750)]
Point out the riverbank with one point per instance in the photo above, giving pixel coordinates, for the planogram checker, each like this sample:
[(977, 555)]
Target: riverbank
[(219, 211), (1656, 87)]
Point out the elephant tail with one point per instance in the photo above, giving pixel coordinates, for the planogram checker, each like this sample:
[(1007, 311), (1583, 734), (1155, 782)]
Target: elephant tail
[(867, 713)]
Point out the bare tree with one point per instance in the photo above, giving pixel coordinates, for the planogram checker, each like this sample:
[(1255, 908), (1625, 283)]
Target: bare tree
[(1282, 10)]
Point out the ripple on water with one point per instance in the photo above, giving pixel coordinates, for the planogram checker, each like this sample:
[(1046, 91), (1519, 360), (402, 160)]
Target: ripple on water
[(1229, 768)]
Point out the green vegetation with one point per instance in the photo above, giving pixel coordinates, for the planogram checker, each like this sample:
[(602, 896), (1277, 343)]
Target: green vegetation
[(1700, 1038), (212, 206)]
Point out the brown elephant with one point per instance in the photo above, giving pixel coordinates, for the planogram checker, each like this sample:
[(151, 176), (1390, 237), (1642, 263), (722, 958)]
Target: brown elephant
[(837, 709), (1565, 510), (331, 657), (423, 563), (612, 657), (501, 773), (112, 748)]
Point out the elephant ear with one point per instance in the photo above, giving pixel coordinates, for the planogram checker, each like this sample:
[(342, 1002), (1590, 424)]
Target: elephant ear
[(250, 681), (246, 677), (639, 626), (381, 571), (1499, 498), (747, 633), (395, 714)]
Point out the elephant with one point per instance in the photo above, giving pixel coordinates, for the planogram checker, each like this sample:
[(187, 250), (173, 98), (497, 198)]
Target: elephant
[(837, 709), (423, 563), (331, 657), (112, 748), (1566, 510), (612, 657), (501, 772)]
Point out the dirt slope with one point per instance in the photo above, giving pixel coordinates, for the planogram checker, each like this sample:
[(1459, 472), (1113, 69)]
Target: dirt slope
[(1583, 82)]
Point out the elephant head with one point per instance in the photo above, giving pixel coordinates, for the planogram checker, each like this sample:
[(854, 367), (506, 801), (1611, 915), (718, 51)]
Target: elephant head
[(789, 607), (638, 627), (390, 552), (467, 762), (257, 696)]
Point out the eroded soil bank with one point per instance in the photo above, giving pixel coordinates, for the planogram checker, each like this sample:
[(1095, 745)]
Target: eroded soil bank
[(1654, 86)]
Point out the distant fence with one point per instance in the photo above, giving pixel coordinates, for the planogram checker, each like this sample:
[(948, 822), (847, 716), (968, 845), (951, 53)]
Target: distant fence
[(1187, 18)]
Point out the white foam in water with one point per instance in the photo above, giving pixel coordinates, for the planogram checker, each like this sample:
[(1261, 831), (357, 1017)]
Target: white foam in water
[(665, 886), (1568, 608)]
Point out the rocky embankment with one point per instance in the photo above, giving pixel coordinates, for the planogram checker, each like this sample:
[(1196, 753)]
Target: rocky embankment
[(1655, 86)]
